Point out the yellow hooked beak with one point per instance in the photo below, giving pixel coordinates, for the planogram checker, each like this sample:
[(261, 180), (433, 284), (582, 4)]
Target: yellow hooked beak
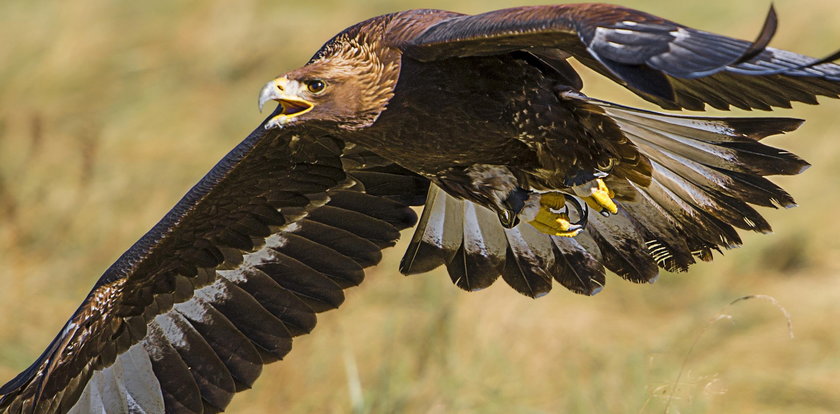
[(284, 92)]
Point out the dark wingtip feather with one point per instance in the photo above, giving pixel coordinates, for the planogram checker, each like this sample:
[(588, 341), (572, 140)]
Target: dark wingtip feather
[(760, 128), (766, 160), (768, 30), (804, 166)]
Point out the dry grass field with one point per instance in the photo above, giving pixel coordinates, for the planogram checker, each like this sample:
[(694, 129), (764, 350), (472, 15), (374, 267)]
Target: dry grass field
[(110, 111)]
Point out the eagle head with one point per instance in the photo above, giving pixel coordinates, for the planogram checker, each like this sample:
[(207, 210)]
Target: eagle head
[(349, 83)]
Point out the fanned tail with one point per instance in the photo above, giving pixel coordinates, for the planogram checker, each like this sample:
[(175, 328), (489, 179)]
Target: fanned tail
[(476, 249)]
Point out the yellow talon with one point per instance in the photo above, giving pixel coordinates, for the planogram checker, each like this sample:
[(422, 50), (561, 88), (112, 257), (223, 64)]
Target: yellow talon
[(600, 197), (555, 224)]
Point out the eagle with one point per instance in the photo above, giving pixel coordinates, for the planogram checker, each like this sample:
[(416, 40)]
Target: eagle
[(480, 119)]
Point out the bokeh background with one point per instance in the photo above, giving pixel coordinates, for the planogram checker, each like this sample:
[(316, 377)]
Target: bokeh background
[(110, 111)]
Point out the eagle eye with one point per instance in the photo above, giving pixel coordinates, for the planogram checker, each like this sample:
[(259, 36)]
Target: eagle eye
[(316, 86)]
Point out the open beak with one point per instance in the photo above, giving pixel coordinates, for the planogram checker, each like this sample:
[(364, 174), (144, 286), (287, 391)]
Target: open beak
[(284, 92)]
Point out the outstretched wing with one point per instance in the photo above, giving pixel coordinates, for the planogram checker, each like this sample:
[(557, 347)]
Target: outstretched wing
[(664, 62), (188, 316), (705, 173)]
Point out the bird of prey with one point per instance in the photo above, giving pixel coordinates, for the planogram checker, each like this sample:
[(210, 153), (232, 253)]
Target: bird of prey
[(481, 119)]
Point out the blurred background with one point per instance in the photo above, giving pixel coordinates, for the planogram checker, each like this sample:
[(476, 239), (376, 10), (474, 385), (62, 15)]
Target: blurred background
[(110, 111)]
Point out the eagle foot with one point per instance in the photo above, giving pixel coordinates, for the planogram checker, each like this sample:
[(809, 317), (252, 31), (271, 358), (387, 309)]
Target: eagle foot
[(552, 215), (598, 196)]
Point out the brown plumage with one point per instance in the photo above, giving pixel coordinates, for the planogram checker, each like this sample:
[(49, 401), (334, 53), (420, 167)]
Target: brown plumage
[(482, 119)]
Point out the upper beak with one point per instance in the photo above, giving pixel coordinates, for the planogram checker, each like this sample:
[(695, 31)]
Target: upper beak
[(284, 92), (267, 93), (270, 92)]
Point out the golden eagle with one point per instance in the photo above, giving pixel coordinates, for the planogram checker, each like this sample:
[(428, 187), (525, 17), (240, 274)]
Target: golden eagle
[(482, 120)]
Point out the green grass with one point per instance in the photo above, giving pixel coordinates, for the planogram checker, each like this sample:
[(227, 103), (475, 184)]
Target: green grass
[(112, 110)]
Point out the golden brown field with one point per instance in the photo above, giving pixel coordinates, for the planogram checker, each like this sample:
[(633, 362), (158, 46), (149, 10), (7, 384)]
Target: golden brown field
[(112, 110)]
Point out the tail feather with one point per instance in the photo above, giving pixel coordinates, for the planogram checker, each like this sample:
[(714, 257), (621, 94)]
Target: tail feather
[(582, 270), (530, 261), (439, 233), (481, 258), (476, 250)]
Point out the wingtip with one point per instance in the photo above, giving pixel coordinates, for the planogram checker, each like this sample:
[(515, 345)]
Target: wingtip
[(805, 166), (768, 30)]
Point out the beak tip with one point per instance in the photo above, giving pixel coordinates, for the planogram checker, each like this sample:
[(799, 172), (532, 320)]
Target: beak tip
[(267, 93)]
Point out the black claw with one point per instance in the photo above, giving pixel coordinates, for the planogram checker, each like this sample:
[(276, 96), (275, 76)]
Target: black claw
[(514, 204), (581, 209), (508, 219), (574, 228)]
